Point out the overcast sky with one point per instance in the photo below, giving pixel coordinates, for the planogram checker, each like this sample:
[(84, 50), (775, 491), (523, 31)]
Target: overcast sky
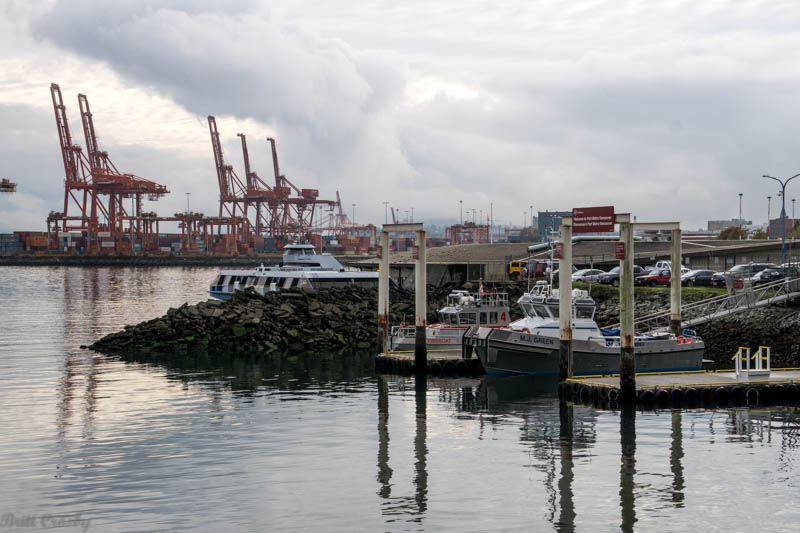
[(666, 110)]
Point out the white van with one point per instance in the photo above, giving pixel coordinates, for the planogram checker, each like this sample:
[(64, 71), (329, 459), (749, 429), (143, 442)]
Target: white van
[(667, 265)]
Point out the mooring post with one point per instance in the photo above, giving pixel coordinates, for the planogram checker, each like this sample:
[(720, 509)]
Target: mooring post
[(675, 283), (383, 294), (565, 300), (627, 361), (421, 308)]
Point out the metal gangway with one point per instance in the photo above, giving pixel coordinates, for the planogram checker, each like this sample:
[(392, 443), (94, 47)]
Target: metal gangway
[(741, 297)]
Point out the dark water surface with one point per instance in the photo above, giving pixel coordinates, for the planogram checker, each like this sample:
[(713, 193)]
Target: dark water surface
[(320, 443)]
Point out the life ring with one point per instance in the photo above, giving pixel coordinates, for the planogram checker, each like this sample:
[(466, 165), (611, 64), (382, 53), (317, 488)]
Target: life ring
[(681, 339), (436, 325), (525, 330)]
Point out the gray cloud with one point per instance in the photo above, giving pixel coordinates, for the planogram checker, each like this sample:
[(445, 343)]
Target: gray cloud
[(669, 112)]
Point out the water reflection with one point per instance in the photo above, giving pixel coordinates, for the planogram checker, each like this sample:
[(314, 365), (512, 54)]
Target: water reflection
[(627, 433), (397, 505)]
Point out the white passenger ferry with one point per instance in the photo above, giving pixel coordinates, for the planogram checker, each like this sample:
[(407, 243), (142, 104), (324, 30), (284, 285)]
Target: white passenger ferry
[(301, 267)]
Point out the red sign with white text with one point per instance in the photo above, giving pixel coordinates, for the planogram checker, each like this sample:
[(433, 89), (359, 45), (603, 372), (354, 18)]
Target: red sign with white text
[(619, 250), (558, 253), (593, 219)]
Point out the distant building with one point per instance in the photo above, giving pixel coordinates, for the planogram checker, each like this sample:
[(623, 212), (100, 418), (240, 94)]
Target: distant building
[(715, 226), (467, 233), (774, 231), (549, 222)]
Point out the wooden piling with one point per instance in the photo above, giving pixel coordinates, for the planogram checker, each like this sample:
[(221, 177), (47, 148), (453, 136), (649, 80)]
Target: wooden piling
[(675, 283), (383, 294), (627, 361), (565, 363), (421, 308)]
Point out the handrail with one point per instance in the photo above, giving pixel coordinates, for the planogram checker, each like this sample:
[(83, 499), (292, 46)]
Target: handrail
[(719, 306)]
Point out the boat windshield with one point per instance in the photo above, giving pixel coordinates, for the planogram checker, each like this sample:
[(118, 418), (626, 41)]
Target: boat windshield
[(528, 310), (584, 311), (553, 310), (541, 310), (449, 319), (466, 319)]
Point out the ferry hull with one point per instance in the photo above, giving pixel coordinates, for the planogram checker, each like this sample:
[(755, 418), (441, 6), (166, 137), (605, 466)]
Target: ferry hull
[(511, 352)]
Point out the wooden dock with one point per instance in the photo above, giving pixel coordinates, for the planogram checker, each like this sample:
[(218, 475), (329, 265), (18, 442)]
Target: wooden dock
[(446, 362), (722, 388)]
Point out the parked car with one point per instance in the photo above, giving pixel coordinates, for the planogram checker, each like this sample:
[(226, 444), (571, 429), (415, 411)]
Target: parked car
[(587, 275), (697, 277), (768, 275), (660, 277), (744, 270), (750, 269), (667, 265), (718, 279), (555, 273), (612, 276)]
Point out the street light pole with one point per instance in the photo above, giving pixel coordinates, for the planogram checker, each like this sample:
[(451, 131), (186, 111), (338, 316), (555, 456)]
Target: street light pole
[(740, 216), (491, 220), (769, 203), (783, 212), (412, 214), (354, 214), (461, 212), (386, 212)]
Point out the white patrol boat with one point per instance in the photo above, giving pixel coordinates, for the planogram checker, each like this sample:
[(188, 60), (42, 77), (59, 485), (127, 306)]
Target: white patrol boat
[(531, 345), (463, 309), (301, 267)]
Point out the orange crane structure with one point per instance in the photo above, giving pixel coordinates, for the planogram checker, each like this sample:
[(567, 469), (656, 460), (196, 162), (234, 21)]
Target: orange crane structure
[(282, 210), (95, 190), (7, 185)]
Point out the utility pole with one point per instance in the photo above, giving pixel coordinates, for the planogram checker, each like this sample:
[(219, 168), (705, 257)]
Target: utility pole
[(491, 220), (188, 194), (769, 202), (461, 212), (386, 212), (412, 214), (740, 216)]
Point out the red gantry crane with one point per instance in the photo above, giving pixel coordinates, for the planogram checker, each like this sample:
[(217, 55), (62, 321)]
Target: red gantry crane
[(95, 188)]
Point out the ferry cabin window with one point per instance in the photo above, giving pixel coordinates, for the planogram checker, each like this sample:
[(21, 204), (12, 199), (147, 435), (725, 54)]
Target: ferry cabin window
[(483, 316), (288, 283), (493, 317), (220, 280), (541, 310), (584, 311)]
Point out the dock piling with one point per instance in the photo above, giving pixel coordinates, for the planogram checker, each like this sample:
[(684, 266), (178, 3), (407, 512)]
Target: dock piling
[(565, 363), (421, 306), (627, 362), (383, 294), (675, 283)]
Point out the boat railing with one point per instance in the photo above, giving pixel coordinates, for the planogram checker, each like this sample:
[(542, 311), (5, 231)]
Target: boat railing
[(403, 331)]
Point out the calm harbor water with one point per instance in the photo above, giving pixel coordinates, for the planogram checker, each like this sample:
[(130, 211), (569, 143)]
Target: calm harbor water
[(320, 443)]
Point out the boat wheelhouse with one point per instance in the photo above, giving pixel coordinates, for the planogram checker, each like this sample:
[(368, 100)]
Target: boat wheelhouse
[(301, 267), (462, 310)]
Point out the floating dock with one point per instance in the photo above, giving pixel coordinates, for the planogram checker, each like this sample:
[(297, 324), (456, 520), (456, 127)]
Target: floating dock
[(440, 363), (721, 388)]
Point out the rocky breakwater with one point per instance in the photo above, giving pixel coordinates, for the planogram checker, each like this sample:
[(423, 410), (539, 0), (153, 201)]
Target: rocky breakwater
[(292, 321), (289, 321), (777, 327)]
